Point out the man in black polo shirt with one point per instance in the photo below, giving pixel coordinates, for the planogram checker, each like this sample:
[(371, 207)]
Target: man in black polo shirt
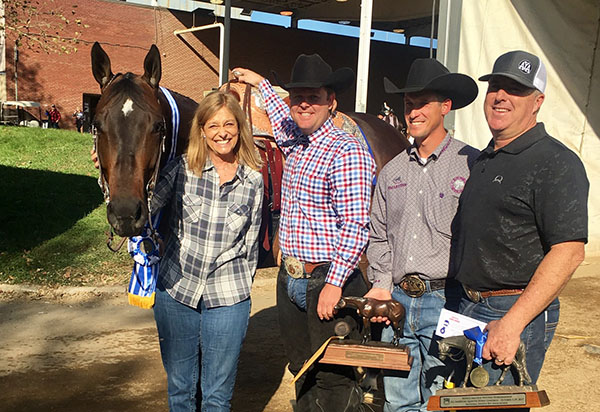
[(522, 220)]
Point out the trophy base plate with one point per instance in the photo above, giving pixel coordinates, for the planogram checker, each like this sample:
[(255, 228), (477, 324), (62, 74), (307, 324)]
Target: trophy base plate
[(370, 355), (489, 397)]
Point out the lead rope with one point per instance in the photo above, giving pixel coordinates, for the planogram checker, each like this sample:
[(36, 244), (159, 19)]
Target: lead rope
[(145, 249)]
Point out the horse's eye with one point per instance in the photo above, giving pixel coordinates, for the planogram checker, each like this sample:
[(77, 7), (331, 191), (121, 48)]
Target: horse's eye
[(158, 127)]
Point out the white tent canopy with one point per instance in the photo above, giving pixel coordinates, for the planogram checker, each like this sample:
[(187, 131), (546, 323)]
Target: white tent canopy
[(565, 35)]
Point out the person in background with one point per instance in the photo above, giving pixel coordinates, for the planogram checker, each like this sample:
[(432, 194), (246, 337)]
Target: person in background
[(386, 113), (78, 116), (53, 117)]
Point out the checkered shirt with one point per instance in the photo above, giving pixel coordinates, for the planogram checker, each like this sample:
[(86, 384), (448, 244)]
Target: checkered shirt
[(326, 192), (413, 207), (212, 249)]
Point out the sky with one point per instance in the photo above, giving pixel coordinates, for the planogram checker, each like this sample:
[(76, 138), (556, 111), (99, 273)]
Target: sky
[(342, 30)]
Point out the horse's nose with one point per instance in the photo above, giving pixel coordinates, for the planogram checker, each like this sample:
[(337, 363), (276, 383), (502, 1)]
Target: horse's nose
[(126, 215)]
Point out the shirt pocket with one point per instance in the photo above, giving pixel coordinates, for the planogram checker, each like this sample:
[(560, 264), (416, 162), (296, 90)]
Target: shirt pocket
[(444, 210), (191, 208), (237, 217)]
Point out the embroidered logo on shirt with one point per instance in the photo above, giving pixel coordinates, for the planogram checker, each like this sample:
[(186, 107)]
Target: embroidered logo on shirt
[(458, 184), (498, 179), (397, 183)]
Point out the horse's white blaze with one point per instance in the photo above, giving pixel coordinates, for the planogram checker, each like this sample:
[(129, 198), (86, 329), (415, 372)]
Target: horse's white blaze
[(127, 107)]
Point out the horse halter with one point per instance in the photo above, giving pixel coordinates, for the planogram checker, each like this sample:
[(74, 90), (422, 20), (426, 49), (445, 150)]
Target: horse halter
[(150, 185)]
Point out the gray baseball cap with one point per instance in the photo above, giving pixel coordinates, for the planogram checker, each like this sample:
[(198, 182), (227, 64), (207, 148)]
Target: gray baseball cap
[(522, 67)]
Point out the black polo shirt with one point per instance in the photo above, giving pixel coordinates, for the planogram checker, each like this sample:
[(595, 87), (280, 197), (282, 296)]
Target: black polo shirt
[(517, 203)]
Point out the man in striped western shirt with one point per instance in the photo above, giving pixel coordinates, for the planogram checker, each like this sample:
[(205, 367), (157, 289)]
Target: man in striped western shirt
[(413, 206), (326, 193)]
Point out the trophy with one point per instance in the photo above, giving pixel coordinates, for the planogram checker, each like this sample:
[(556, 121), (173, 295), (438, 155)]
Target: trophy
[(369, 353), (480, 395)]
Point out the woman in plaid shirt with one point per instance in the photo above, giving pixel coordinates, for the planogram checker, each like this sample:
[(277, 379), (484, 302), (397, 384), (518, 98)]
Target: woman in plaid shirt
[(203, 294)]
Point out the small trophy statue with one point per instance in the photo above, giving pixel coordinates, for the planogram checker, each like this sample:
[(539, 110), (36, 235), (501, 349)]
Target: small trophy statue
[(368, 353), (482, 396)]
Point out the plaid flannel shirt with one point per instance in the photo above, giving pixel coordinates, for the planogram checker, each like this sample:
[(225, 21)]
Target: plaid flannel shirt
[(212, 249), (326, 192)]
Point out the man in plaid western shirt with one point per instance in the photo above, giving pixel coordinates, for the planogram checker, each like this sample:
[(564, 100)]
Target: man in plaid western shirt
[(326, 194)]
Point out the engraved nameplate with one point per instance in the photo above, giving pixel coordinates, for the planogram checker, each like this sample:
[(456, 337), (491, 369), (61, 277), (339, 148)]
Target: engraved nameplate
[(498, 399)]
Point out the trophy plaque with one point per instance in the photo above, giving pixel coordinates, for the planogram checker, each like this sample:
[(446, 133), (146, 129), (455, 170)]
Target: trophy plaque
[(481, 396), (367, 353), (488, 397)]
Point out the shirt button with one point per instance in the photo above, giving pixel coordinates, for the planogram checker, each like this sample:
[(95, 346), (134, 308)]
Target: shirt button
[(414, 236), (410, 258), (420, 192), (424, 170), (418, 215)]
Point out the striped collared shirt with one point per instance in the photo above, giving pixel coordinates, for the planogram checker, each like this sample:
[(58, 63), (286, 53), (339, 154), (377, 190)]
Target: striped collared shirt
[(212, 249), (326, 192), (414, 203)]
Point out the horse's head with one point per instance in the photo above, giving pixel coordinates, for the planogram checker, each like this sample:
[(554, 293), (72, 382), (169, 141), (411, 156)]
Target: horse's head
[(130, 125), (443, 349)]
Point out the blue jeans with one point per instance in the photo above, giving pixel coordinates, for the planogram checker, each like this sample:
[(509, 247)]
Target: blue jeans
[(536, 336), (410, 391), (324, 387), (203, 343)]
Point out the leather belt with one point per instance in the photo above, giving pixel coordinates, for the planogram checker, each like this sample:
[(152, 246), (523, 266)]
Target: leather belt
[(415, 287), (477, 296), (298, 269)]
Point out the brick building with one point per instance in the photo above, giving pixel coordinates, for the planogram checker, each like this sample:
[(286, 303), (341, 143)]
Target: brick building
[(190, 62)]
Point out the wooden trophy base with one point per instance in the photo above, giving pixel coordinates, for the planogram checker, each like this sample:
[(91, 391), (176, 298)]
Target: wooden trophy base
[(488, 397), (370, 355)]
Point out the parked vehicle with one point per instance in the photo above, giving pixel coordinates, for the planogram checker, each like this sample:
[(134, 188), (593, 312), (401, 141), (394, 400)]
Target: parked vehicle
[(21, 113)]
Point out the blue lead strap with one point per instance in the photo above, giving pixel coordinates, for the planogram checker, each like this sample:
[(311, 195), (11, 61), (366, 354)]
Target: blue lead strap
[(144, 249), (369, 148), (480, 337)]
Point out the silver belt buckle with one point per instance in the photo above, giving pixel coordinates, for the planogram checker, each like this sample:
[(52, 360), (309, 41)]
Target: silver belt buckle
[(293, 267)]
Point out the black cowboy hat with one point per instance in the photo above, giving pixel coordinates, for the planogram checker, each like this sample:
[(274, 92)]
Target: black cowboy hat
[(312, 71), (430, 74)]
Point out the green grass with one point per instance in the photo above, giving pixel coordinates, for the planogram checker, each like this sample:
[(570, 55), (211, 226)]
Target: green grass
[(52, 215)]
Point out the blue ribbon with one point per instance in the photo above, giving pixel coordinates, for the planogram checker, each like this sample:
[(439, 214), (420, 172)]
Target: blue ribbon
[(480, 337)]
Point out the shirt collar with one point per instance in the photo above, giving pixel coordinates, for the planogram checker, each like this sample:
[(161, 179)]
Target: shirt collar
[(522, 142), (322, 131), (241, 172), (441, 148)]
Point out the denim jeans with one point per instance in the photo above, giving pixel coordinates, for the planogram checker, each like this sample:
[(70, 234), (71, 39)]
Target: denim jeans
[(328, 388), (537, 336), (200, 343), (410, 391)]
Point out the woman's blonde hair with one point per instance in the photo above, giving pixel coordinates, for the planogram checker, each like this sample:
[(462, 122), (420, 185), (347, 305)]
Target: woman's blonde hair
[(245, 150)]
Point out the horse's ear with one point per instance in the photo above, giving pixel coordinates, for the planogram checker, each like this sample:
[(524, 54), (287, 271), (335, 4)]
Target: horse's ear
[(152, 67), (101, 65)]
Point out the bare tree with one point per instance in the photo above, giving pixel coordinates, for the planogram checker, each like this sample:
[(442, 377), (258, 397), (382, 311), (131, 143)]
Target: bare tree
[(42, 25)]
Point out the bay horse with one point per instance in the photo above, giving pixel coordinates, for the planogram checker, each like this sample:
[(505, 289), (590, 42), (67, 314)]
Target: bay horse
[(133, 126), (133, 121)]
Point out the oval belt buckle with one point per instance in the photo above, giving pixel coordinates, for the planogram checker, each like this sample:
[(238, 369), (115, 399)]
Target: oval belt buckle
[(294, 267), (413, 286), (473, 295)]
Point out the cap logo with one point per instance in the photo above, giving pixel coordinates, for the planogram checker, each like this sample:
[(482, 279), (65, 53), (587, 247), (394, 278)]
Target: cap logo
[(525, 66)]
